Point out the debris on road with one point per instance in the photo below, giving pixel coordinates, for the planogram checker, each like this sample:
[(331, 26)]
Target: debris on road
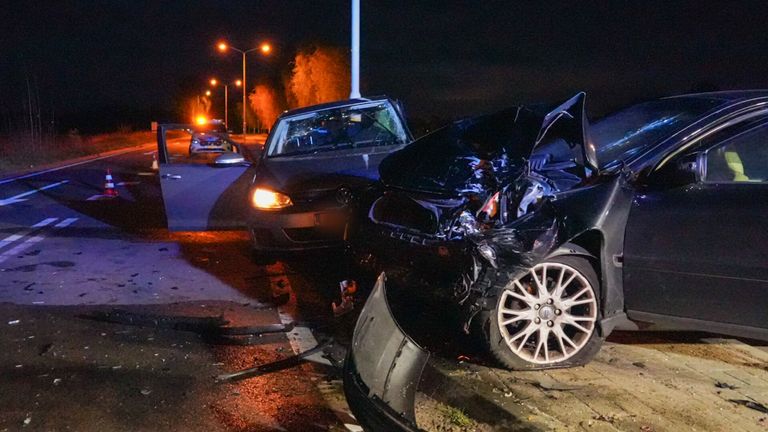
[(724, 385), (750, 404), (146, 392), (214, 329), (282, 364), (14, 322), (348, 288)]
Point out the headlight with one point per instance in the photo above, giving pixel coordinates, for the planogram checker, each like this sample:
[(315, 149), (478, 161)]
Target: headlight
[(266, 199), (195, 142)]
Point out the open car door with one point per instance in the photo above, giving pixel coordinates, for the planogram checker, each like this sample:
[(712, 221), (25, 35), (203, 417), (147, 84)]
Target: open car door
[(201, 190)]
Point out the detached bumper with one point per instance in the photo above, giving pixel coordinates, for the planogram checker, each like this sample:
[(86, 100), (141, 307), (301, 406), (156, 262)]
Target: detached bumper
[(383, 368)]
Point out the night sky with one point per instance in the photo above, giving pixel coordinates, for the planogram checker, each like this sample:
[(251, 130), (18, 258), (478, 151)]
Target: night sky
[(109, 62)]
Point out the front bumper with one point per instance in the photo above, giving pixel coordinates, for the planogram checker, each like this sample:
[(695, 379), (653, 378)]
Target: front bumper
[(296, 231), (383, 368)]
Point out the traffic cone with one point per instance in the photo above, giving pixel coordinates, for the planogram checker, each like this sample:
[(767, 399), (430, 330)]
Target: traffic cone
[(155, 166), (109, 185)]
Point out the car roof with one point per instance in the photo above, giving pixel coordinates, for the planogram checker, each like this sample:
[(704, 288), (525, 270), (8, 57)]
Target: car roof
[(331, 105), (728, 95)]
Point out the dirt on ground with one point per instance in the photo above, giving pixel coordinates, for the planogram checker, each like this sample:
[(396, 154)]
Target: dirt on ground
[(649, 382)]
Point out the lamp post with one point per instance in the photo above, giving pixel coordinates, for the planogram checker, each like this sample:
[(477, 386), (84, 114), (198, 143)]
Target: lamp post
[(238, 83), (265, 49)]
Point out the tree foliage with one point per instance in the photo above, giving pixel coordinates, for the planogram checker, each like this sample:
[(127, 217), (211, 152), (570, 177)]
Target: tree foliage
[(320, 74)]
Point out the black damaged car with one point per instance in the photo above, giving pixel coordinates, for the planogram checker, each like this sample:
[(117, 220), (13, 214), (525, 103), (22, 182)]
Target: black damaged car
[(653, 217)]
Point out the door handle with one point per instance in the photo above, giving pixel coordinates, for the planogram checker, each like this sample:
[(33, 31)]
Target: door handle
[(171, 176)]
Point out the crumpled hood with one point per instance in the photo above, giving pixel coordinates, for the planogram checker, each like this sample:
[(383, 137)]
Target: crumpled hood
[(476, 155)]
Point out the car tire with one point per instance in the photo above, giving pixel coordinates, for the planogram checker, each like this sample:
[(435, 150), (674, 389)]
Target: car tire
[(567, 320)]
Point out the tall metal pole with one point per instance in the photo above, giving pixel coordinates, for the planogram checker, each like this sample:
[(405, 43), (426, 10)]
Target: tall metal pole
[(226, 106), (245, 87), (355, 89)]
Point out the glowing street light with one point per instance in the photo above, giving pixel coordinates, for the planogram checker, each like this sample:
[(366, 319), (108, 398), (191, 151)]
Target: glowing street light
[(207, 92), (214, 81), (239, 83), (265, 49)]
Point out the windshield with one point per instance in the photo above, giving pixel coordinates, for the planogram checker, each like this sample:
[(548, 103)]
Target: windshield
[(632, 131), (362, 125)]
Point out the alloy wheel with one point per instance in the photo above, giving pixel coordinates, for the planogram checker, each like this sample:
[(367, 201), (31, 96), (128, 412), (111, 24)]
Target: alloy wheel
[(548, 314)]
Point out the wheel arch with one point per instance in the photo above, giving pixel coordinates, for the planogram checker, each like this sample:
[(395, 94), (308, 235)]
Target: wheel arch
[(591, 245)]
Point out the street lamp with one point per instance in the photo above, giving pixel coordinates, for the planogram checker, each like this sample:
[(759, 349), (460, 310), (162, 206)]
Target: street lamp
[(265, 49), (214, 82)]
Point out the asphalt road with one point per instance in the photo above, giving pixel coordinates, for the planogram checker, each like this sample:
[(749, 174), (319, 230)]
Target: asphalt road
[(66, 250)]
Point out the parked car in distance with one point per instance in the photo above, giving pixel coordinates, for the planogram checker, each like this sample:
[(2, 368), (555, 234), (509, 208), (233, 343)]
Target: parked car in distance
[(300, 191), (211, 137)]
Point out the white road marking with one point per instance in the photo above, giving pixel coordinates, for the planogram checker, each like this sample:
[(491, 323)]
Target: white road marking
[(37, 173), (21, 234), (132, 183), (150, 152), (99, 197), (66, 222), (20, 197), (32, 240)]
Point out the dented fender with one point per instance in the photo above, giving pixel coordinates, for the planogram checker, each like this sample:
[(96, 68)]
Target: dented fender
[(562, 226)]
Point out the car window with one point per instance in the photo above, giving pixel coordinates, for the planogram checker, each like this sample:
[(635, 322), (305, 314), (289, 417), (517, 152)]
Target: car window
[(742, 158), (368, 125)]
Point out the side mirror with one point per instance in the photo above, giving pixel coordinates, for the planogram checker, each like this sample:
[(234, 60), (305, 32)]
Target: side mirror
[(228, 159), (683, 171)]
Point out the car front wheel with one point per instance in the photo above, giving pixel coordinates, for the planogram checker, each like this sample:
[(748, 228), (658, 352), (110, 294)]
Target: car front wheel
[(547, 317)]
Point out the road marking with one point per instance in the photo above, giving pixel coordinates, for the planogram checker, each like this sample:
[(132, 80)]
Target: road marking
[(150, 152), (37, 173), (21, 234), (32, 240), (66, 222), (20, 197), (130, 183)]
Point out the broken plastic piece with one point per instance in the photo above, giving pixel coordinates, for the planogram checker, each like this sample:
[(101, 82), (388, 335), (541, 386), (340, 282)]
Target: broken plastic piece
[(348, 289)]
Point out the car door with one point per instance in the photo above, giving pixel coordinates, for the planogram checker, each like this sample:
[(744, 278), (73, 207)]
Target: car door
[(201, 191), (696, 252)]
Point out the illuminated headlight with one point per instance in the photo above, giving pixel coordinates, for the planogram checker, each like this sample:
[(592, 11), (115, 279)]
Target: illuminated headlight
[(266, 199), (196, 142)]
